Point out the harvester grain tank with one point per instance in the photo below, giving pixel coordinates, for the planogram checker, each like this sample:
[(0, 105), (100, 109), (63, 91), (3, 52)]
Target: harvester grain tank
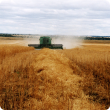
[(45, 41)]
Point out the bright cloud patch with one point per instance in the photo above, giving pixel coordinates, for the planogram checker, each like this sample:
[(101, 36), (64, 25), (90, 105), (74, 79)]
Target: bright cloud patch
[(72, 17)]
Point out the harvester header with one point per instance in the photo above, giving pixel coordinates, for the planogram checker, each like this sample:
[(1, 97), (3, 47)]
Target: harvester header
[(45, 42)]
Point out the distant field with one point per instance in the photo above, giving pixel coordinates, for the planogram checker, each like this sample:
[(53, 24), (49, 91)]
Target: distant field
[(11, 38), (97, 41), (69, 79), (16, 40)]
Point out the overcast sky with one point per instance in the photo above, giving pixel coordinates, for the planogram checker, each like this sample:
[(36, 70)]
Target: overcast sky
[(64, 17)]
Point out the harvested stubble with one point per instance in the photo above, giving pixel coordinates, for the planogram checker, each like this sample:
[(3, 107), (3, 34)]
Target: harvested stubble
[(93, 63), (43, 80)]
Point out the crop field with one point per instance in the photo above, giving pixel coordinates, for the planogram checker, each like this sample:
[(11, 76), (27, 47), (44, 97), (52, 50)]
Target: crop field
[(69, 79)]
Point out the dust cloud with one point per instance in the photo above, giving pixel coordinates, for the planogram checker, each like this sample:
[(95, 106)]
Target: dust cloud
[(31, 41), (68, 42)]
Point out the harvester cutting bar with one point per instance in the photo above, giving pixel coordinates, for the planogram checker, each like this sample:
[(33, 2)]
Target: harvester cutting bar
[(51, 46), (34, 45), (57, 46)]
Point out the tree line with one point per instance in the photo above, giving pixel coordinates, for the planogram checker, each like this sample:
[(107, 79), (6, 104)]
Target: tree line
[(6, 35), (96, 38)]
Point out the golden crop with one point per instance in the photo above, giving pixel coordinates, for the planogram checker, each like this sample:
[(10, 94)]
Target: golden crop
[(69, 79)]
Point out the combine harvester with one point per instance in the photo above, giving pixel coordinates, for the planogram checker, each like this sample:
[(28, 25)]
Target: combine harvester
[(45, 42)]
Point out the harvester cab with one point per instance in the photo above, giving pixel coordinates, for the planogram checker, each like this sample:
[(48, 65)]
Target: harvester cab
[(46, 42)]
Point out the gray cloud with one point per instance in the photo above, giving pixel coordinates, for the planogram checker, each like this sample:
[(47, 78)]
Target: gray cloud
[(76, 17)]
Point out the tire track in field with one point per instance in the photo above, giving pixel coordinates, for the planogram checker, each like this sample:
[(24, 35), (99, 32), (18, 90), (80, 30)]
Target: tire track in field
[(58, 86)]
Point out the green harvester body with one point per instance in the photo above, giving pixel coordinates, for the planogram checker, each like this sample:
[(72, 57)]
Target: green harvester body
[(45, 42)]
